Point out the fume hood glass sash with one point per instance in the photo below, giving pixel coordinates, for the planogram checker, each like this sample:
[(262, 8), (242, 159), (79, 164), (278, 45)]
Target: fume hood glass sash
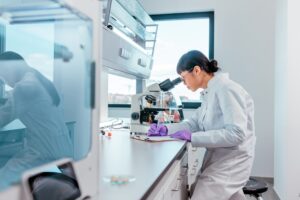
[(36, 11), (55, 41)]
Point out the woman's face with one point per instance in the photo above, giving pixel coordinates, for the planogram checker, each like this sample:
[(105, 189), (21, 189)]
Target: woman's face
[(194, 78)]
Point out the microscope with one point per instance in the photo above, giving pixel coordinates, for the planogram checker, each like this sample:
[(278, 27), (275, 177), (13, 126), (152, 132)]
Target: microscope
[(155, 105)]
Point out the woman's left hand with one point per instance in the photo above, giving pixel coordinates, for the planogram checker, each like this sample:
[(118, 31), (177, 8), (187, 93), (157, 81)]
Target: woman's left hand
[(182, 134)]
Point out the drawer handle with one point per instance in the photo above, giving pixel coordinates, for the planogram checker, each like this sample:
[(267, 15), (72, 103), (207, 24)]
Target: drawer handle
[(177, 186), (193, 172), (196, 163), (142, 62), (183, 171), (124, 53)]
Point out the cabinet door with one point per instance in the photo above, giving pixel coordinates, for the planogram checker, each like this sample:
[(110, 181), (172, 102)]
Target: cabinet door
[(195, 158), (158, 196), (176, 191), (173, 185), (177, 187)]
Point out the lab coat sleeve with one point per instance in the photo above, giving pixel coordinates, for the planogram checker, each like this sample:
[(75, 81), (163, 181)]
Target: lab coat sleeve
[(24, 94), (233, 105), (190, 124)]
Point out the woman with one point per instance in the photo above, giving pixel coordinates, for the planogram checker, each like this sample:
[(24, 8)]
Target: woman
[(224, 124), (36, 103)]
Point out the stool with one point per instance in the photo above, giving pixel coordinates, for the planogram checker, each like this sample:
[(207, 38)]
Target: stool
[(255, 188)]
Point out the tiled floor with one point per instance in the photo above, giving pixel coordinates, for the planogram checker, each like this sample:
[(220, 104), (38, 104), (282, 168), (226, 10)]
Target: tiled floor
[(268, 195)]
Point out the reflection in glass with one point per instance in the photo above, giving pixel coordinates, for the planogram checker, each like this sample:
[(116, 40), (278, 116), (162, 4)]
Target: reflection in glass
[(35, 102), (45, 104)]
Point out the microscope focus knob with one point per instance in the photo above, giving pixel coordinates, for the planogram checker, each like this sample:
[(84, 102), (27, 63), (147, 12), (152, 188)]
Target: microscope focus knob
[(135, 115)]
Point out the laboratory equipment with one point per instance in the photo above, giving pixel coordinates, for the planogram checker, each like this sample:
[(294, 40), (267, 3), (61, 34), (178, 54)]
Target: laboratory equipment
[(60, 40), (55, 180), (155, 105)]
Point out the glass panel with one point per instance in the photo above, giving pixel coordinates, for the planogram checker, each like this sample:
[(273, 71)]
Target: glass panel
[(120, 93), (45, 111), (175, 38)]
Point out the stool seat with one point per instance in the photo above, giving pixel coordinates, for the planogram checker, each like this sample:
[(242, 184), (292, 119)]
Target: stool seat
[(255, 187)]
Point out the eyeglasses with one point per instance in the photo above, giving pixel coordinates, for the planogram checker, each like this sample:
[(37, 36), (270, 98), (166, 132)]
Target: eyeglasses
[(188, 71)]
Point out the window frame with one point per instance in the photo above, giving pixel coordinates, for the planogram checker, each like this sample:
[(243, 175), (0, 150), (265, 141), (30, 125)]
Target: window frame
[(178, 16), (192, 15)]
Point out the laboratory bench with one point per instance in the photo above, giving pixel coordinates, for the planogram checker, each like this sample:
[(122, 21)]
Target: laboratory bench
[(133, 169)]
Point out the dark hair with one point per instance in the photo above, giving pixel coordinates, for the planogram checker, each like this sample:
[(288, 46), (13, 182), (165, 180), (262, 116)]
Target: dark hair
[(48, 85), (192, 58)]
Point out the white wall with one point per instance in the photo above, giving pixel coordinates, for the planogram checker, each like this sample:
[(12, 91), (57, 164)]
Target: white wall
[(287, 98), (244, 46), (280, 100)]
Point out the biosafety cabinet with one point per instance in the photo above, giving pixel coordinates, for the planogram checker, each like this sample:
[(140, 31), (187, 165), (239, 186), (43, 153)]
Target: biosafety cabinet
[(58, 42), (52, 56)]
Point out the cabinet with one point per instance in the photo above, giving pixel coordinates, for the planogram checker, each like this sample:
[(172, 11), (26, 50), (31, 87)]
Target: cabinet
[(172, 185), (178, 179), (195, 158)]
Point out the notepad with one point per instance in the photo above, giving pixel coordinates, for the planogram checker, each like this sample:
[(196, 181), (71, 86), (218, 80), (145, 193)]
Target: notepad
[(153, 138)]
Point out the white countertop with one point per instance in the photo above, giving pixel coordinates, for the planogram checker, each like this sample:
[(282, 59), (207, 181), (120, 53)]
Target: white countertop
[(143, 162)]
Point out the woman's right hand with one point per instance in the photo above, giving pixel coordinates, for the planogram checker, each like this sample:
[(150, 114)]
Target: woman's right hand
[(157, 130)]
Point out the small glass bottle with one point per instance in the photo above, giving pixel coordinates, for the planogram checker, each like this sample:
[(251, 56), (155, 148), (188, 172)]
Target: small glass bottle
[(160, 118)]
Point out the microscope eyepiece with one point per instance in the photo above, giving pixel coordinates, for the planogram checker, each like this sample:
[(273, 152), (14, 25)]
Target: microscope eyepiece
[(166, 85), (177, 81)]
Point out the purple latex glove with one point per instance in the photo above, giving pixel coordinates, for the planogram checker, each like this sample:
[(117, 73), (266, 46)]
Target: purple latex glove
[(183, 135), (157, 130)]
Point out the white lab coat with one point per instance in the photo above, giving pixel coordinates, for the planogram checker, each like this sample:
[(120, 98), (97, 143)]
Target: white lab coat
[(224, 124), (47, 137)]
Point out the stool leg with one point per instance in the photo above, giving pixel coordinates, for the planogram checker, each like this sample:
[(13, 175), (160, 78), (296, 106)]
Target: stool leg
[(260, 198)]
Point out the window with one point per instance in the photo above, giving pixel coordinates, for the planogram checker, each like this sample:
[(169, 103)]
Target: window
[(120, 89), (177, 34), (34, 42)]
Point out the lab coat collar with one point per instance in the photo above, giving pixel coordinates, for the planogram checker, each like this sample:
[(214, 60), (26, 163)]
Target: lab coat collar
[(214, 80)]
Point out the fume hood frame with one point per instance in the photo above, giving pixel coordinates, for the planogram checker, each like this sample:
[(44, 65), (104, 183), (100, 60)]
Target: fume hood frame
[(129, 36), (130, 18)]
